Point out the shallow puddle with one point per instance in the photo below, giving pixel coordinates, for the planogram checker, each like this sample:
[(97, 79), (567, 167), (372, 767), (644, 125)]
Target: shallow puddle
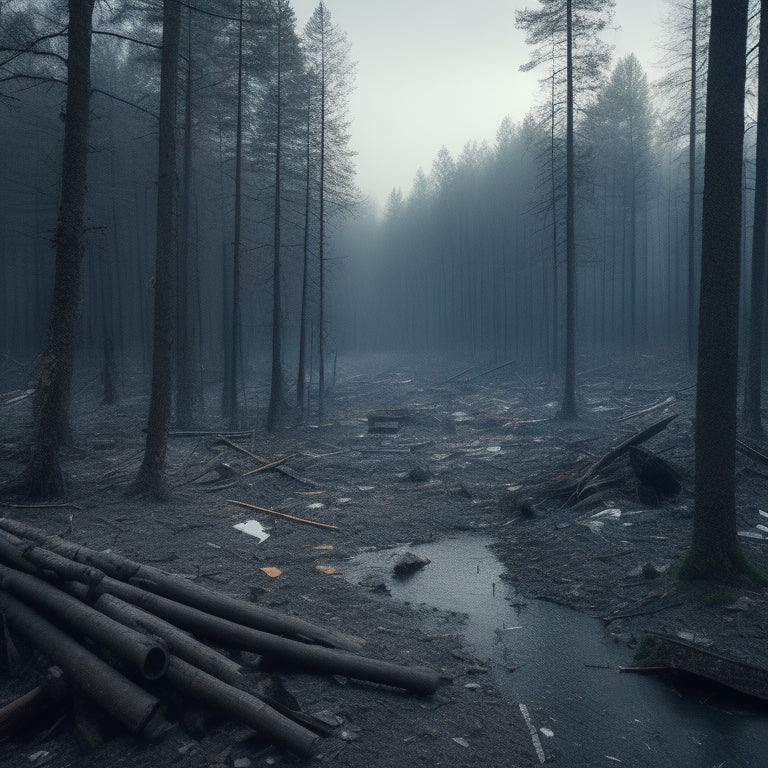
[(552, 661)]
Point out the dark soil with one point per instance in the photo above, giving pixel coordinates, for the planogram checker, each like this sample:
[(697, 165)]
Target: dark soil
[(470, 454)]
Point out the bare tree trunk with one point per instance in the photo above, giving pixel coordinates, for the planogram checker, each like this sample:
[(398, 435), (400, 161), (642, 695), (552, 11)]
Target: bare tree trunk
[(229, 395), (568, 408), (305, 276), (183, 331), (42, 477), (715, 552), (321, 255), (752, 396), (150, 479), (692, 194), (277, 404)]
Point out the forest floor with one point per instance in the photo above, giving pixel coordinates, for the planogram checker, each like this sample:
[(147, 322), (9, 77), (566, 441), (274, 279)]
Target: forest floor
[(469, 444)]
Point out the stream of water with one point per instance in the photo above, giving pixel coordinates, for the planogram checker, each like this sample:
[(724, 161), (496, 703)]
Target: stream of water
[(583, 712)]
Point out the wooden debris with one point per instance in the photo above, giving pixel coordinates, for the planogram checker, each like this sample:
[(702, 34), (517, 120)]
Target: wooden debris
[(620, 450), (283, 514), (654, 473), (742, 447), (136, 709), (29, 707), (663, 404), (124, 612), (690, 657), (182, 590), (278, 467)]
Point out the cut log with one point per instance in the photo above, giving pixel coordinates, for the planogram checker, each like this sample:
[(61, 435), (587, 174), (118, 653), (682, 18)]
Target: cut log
[(136, 709), (240, 705), (312, 658), (163, 583), (689, 657), (147, 654), (180, 643)]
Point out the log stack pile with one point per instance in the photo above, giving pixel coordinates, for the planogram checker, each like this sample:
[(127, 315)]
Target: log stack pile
[(112, 626)]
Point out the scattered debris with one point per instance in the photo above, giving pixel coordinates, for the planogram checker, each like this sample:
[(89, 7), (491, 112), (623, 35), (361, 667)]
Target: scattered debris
[(271, 571), (534, 734), (282, 514), (408, 564), (253, 528)]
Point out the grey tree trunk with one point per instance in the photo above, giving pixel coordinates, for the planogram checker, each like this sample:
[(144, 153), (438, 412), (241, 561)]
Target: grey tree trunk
[(715, 553), (150, 479), (568, 408), (752, 396), (42, 477)]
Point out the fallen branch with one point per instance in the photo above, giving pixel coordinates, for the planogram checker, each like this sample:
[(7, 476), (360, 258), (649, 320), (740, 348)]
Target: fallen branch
[(28, 708), (271, 465), (619, 450), (671, 399), (283, 514), (278, 467), (751, 452), (491, 370)]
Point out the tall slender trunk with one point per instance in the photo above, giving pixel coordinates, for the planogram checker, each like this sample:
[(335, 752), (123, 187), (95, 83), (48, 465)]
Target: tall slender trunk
[(229, 395), (555, 280), (715, 552), (183, 331), (42, 477), (276, 400), (692, 193), (321, 255), (568, 408), (305, 276), (150, 480), (753, 382)]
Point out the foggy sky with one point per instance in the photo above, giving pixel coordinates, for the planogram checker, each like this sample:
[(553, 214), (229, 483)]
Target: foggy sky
[(442, 72)]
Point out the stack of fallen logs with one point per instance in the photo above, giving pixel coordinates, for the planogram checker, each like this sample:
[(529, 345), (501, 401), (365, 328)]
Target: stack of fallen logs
[(78, 606)]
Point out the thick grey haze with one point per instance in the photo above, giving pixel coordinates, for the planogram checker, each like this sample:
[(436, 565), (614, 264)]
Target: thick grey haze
[(442, 72)]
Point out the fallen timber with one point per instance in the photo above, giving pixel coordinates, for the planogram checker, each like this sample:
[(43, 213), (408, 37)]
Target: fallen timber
[(143, 652), (162, 583), (140, 712), (692, 658), (190, 667)]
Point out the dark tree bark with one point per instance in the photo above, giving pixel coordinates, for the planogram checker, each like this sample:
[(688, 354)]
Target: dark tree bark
[(715, 553), (752, 396), (150, 480), (229, 394), (692, 190), (568, 408), (305, 275), (277, 403), (184, 375), (42, 477)]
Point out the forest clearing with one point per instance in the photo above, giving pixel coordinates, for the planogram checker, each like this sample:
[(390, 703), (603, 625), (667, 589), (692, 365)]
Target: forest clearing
[(472, 439), (473, 478)]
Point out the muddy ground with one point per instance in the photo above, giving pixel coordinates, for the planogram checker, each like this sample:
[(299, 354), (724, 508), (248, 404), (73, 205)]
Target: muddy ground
[(470, 446)]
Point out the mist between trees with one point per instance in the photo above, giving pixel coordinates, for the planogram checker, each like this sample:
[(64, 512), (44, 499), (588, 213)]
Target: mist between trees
[(279, 264)]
